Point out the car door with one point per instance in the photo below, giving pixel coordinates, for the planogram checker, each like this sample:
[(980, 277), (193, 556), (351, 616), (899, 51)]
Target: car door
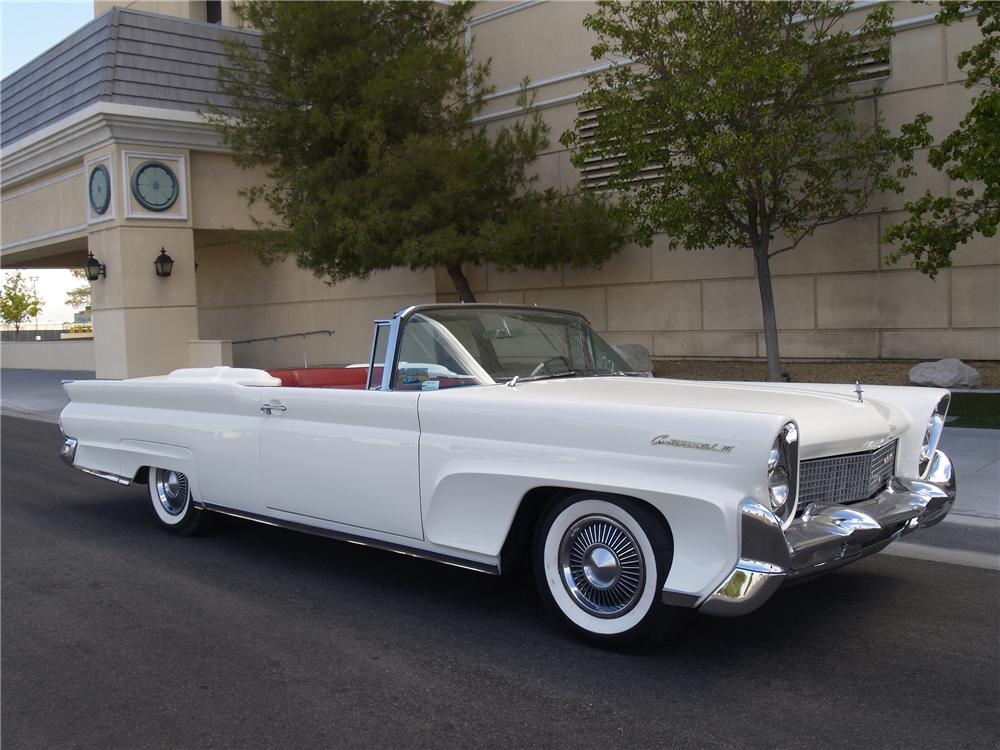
[(341, 456)]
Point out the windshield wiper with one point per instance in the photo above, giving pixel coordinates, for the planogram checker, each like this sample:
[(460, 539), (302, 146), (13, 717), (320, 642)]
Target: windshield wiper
[(567, 374)]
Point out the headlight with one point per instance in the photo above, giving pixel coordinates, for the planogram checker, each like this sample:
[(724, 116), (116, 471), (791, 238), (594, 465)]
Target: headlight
[(933, 433), (777, 488), (782, 470)]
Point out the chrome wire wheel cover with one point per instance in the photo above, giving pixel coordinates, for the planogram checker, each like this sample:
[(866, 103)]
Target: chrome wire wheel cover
[(171, 490), (602, 566)]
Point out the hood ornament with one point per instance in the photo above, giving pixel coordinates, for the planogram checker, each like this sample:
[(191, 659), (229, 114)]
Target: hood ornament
[(859, 391)]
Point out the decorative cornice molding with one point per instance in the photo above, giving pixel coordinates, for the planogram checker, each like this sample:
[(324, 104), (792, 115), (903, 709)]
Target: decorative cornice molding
[(99, 125)]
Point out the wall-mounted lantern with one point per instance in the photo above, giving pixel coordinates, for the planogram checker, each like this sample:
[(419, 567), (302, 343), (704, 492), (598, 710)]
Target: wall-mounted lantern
[(93, 268), (163, 264)]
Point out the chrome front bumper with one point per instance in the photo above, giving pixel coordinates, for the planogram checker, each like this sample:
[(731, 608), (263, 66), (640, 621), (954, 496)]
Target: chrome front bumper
[(827, 536)]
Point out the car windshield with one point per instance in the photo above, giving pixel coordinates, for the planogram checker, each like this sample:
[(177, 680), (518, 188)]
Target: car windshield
[(448, 347)]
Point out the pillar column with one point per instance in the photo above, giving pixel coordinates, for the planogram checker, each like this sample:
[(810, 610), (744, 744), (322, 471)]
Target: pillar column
[(142, 322)]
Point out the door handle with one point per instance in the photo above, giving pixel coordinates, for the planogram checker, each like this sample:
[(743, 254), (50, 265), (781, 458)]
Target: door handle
[(268, 408)]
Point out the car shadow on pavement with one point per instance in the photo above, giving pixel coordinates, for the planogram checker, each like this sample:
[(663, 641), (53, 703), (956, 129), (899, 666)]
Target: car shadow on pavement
[(310, 573)]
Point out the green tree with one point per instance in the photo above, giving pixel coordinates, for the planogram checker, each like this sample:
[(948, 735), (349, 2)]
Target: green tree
[(750, 112), (79, 297), (936, 225), (19, 301), (362, 114)]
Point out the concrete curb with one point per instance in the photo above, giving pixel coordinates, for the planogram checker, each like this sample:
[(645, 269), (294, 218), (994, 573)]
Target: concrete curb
[(949, 555)]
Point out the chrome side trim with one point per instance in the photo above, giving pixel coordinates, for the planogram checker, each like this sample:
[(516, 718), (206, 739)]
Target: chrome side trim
[(678, 598), (117, 478), (342, 536)]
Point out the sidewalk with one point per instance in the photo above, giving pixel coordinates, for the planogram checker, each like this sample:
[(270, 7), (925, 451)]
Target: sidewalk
[(973, 526), (36, 394)]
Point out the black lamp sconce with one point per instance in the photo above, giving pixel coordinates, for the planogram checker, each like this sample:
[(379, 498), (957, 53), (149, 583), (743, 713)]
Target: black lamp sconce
[(163, 264), (94, 269)]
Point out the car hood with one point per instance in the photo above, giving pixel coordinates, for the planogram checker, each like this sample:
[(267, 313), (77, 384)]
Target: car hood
[(830, 418)]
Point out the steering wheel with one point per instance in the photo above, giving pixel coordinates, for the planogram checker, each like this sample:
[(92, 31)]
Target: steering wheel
[(544, 365)]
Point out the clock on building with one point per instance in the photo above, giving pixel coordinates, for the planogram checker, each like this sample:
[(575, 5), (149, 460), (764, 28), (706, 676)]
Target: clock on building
[(99, 188), (154, 185)]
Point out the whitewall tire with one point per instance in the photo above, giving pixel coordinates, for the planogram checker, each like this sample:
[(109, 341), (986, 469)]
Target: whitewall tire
[(172, 499), (600, 563)]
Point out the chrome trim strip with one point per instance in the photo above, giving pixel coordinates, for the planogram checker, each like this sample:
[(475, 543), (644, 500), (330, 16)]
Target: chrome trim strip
[(341, 536), (116, 478), (678, 598), (392, 351), (378, 325)]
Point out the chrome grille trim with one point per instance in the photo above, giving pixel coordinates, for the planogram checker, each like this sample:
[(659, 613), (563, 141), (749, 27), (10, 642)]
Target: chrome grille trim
[(847, 478)]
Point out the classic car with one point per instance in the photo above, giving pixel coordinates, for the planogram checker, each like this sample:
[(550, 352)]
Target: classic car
[(486, 436)]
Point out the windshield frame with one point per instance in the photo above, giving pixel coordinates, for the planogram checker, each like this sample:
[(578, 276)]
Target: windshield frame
[(400, 319)]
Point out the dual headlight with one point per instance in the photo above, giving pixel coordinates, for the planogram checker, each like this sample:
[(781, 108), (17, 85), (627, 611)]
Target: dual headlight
[(782, 471), (932, 434)]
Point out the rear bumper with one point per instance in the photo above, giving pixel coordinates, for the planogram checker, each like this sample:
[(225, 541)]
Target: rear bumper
[(827, 536)]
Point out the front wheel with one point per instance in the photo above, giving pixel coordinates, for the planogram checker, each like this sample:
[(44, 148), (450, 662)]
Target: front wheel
[(600, 563), (170, 493)]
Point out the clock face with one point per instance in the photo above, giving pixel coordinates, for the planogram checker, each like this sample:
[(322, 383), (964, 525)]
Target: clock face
[(100, 189), (154, 185)]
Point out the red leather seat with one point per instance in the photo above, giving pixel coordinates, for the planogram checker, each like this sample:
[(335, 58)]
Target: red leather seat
[(322, 377)]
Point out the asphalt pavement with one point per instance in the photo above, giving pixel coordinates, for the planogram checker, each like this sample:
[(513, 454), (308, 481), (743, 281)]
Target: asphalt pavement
[(119, 635)]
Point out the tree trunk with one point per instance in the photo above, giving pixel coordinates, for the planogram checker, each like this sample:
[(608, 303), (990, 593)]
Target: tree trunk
[(461, 282), (767, 309)]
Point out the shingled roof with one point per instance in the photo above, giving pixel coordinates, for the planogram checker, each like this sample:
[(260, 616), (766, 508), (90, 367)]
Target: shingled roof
[(125, 56)]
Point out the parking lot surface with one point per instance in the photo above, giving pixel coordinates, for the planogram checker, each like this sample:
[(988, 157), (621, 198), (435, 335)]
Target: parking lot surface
[(119, 635)]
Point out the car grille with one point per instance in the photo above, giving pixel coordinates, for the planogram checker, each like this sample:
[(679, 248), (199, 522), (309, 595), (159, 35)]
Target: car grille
[(848, 478)]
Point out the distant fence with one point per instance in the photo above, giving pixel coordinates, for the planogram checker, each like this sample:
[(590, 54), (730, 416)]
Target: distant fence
[(48, 355), (36, 334)]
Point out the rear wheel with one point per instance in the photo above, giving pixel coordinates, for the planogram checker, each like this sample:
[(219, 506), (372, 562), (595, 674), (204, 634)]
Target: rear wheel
[(600, 563), (170, 493)]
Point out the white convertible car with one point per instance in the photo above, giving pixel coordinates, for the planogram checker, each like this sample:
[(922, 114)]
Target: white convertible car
[(485, 435)]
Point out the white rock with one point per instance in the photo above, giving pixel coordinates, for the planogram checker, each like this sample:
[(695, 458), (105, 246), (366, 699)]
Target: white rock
[(945, 373), (636, 355)]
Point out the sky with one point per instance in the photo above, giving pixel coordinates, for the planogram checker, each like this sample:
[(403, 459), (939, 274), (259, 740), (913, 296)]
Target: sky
[(27, 29)]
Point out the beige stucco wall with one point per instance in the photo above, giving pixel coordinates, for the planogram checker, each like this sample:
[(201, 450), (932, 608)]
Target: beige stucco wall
[(191, 9), (835, 295), (239, 298), (47, 355), (216, 182), (47, 208)]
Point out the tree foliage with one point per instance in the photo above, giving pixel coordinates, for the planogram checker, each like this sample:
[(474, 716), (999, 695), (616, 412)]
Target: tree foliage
[(756, 116), (363, 115), (78, 297), (19, 300), (970, 156)]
